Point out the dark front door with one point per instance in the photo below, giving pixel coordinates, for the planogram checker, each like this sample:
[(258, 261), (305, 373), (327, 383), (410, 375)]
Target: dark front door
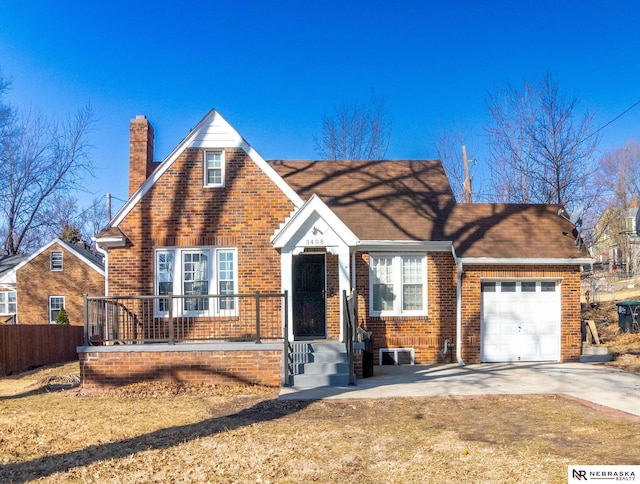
[(309, 315)]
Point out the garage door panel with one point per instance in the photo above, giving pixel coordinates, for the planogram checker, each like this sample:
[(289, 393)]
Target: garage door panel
[(529, 351), (523, 325)]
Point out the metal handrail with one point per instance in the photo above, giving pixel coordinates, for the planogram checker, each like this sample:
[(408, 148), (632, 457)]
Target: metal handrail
[(350, 327), (138, 319)]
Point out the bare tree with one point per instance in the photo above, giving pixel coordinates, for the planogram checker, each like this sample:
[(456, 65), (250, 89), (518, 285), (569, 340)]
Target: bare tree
[(541, 149), (39, 159), (65, 218), (355, 132), (618, 179), (619, 175)]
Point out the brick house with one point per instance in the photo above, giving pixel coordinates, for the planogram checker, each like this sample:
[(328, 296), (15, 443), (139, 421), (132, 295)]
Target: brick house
[(55, 276), (494, 282)]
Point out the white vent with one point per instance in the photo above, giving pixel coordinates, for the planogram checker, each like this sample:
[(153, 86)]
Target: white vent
[(396, 356)]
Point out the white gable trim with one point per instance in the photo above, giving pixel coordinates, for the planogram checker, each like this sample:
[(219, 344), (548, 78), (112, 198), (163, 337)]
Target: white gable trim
[(64, 246), (9, 279), (303, 220), (212, 132)]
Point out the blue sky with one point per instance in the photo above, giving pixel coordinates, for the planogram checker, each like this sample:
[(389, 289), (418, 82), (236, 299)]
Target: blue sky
[(274, 68)]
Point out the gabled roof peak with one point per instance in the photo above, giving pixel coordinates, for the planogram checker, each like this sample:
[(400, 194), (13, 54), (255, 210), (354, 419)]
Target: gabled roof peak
[(213, 131)]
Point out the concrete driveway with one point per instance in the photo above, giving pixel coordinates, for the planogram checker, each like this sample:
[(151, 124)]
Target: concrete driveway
[(594, 383)]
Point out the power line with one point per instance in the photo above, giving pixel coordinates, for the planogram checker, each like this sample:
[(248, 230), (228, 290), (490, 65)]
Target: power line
[(614, 119)]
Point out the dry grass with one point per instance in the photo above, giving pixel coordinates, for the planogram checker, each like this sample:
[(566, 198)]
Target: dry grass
[(624, 346), (169, 433)]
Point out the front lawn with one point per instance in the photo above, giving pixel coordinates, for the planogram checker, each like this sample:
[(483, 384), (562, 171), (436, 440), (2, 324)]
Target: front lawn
[(171, 433)]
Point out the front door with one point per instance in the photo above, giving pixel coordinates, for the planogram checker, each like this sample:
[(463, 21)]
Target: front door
[(309, 312)]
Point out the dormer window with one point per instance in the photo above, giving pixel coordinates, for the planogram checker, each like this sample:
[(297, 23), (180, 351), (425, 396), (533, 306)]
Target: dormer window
[(214, 168), (56, 260)]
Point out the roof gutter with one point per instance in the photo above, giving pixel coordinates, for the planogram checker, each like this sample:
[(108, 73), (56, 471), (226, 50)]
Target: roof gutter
[(458, 307), (524, 261)]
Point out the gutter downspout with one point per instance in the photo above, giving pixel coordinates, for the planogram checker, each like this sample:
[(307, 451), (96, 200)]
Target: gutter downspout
[(353, 268), (458, 308), (105, 253)]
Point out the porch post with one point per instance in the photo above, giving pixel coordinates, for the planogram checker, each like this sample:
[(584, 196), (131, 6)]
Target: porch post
[(344, 261), (286, 260), (86, 319)]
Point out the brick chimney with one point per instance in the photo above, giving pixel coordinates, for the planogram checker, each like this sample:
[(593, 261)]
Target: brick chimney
[(140, 152)]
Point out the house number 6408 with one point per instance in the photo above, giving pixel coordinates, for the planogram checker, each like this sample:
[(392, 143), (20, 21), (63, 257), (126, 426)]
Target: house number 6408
[(314, 242)]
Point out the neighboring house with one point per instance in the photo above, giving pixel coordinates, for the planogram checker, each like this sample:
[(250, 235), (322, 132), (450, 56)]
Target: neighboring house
[(498, 282), (616, 243), (8, 293), (56, 276)]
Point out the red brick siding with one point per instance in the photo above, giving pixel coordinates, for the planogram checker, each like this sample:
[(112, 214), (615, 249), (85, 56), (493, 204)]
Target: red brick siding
[(178, 211), (35, 282), (141, 152), (333, 296), (426, 334), (570, 337), (113, 369)]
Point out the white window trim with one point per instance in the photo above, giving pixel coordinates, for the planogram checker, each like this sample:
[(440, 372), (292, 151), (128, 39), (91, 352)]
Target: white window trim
[(4, 302), (205, 171), (397, 283), (61, 261), (63, 306), (178, 280)]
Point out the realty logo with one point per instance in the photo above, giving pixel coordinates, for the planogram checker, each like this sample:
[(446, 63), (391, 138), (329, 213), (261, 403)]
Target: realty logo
[(604, 473), (579, 474)]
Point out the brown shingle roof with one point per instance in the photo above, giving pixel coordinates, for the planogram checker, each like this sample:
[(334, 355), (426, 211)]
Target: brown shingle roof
[(378, 200), (512, 231), (412, 200)]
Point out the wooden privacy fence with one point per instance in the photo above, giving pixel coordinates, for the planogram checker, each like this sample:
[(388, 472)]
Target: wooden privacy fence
[(27, 346)]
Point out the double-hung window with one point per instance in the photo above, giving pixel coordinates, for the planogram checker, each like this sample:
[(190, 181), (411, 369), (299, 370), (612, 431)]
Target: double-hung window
[(226, 279), (201, 272), (56, 303), (164, 278), (195, 280), (214, 168), (8, 302), (56, 260), (397, 285)]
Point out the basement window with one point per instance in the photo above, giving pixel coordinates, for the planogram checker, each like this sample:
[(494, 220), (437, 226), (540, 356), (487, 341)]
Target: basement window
[(396, 356)]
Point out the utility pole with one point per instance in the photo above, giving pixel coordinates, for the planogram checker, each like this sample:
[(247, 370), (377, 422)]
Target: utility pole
[(467, 177), (108, 207)]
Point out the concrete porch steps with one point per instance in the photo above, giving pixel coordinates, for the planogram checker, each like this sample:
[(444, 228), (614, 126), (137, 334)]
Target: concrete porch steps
[(318, 364)]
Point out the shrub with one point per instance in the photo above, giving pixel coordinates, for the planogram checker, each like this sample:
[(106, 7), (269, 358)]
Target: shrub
[(62, 317)]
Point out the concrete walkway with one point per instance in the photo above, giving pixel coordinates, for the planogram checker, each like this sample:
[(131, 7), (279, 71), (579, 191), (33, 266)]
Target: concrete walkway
[(594, 383)]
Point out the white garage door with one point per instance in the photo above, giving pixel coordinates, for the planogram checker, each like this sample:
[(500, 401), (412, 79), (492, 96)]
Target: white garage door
[(520, 321)]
